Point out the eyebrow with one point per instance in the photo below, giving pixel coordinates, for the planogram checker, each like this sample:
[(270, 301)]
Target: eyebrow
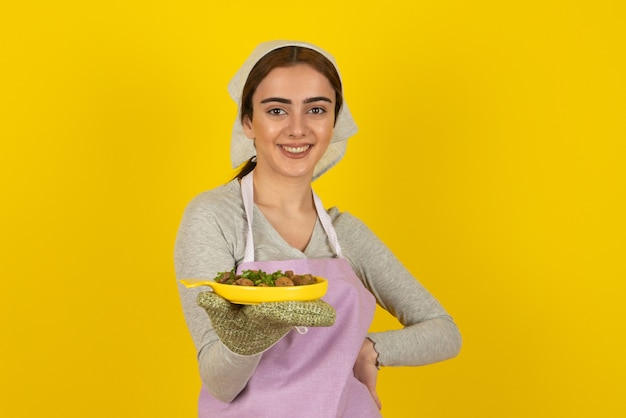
[(306, 101)]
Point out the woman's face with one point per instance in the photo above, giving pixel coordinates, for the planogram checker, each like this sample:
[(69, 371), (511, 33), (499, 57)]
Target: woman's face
[(293, 119)]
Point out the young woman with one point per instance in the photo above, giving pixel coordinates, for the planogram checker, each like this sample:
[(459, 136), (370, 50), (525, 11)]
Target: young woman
[(292, 127)]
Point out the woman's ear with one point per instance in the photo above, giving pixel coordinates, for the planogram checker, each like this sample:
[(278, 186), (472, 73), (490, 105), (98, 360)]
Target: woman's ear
[(247, 127)]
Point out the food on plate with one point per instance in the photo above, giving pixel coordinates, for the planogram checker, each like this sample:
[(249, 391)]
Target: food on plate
[(260, 278)]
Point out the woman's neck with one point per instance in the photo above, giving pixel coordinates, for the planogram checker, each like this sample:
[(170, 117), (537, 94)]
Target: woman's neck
[(284, 194), (288, 206)]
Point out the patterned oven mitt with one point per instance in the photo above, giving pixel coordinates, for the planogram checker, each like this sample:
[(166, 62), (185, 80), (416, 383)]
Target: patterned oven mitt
[(252, 329)]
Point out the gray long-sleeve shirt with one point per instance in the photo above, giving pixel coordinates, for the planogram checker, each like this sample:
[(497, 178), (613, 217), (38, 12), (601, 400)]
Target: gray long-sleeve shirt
[(211, 239)]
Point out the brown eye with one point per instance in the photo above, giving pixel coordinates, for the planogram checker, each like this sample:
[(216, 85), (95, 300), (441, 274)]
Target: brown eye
[(317, 110), (276, 112)]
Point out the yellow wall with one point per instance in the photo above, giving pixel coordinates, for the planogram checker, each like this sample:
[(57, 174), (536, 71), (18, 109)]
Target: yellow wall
[(490, 159)]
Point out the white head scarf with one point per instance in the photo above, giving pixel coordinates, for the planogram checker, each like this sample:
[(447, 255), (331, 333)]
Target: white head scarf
[(242, 148)]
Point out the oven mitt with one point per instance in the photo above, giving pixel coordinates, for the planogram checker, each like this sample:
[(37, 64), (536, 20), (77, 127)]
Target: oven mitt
[(252, 329)]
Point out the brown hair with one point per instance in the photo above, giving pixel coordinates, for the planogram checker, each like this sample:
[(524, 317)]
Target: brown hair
[(287, 56)]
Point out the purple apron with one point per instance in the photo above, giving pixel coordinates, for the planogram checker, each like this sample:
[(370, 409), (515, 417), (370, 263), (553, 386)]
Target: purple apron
[(308, 373)]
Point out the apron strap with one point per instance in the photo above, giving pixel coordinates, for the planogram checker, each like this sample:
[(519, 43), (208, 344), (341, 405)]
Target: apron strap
[(327, 224), (247, 193)]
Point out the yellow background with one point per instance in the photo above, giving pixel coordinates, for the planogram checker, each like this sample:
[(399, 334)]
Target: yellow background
[(490, 158)]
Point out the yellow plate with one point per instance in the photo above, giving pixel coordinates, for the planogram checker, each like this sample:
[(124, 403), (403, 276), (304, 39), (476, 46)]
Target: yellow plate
[(250, 295)]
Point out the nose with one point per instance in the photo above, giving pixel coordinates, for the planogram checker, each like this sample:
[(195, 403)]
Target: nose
[(297, 126)]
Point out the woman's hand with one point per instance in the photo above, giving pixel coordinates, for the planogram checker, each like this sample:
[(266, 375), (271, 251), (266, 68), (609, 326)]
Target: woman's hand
[(366, 370), (252, 329)]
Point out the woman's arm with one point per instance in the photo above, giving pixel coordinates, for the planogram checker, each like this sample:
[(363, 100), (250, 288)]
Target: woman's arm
[(429, 334), (205, 245)]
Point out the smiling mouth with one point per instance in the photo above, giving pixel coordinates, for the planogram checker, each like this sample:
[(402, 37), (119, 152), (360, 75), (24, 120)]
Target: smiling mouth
[(296, 150)]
